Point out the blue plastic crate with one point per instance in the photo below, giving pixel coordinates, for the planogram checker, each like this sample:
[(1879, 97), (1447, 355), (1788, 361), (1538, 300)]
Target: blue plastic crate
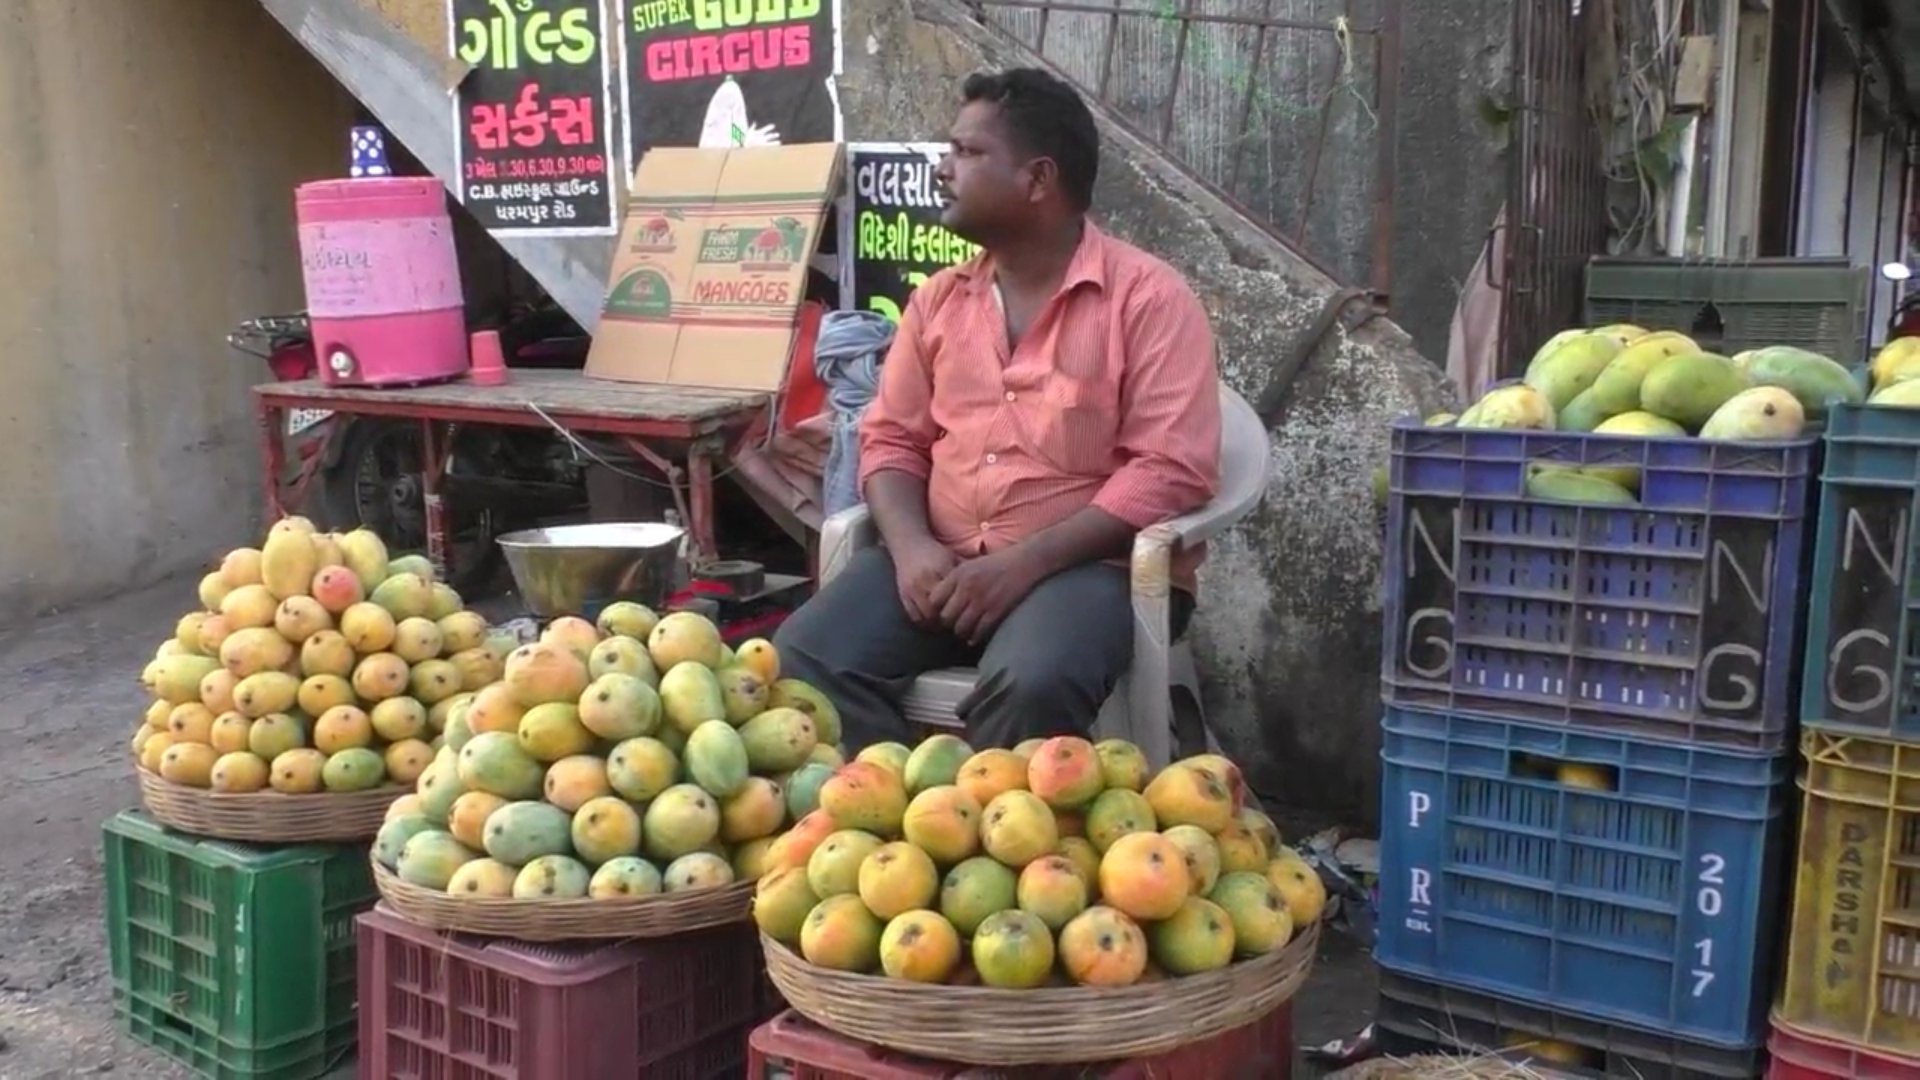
[(1677, 618), (1416, 1017), (1861, 672), (1651, 901)]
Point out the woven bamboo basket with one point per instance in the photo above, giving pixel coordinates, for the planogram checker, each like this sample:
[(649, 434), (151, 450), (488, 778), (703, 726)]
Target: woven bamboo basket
[(662, 915), (268, 817), (1070, 1025)]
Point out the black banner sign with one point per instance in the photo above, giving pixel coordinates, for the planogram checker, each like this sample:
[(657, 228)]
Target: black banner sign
[(891, 237), (535, 146), (723, 73)]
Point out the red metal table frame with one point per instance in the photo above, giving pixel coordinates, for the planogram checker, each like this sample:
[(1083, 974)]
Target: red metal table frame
[(664, 425)]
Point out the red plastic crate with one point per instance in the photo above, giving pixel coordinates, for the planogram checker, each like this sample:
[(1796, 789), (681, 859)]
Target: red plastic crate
[(791, 1047), (1802, 1055), (439, 1006)]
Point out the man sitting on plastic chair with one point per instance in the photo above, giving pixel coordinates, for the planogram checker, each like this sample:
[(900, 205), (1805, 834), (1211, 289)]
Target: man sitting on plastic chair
[(1039, 406)]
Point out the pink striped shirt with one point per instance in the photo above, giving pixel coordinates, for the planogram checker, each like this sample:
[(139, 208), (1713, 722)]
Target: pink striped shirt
[(1110, 400)]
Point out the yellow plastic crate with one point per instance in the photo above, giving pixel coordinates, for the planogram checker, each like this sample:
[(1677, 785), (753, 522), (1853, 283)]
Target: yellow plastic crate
[(1853, 959)]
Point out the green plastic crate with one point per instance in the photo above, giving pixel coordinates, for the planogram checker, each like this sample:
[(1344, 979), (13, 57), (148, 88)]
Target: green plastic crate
[(1729, 306), (235, 959)]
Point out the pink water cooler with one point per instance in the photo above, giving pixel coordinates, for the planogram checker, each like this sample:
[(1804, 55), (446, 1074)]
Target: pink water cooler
[(383, 281)]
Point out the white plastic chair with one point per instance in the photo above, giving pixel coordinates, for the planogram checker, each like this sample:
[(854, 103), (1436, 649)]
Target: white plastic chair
[(1140, 708)]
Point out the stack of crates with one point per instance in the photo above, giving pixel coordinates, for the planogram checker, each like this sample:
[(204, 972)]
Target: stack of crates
[(1587, 747), (1849, 1004), (236, 960)]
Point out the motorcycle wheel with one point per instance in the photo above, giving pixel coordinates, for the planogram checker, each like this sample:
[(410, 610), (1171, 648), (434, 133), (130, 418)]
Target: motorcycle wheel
[(376, 483)]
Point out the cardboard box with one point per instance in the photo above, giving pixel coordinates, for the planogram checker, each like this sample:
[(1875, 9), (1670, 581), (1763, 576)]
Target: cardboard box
[(711, 266)]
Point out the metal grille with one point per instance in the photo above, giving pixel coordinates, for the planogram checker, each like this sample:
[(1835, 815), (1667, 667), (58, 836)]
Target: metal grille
[(1556, 210), (1284, 108)]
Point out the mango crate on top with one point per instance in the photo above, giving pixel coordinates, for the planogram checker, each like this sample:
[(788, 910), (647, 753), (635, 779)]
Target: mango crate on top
[(1861, 671), (1677, 618), (1609, 877)]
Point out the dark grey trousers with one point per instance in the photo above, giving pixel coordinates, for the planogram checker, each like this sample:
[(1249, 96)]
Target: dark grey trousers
[(1045, 671)]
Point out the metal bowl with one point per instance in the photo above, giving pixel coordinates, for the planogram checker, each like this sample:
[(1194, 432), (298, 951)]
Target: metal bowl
[(579, 569)]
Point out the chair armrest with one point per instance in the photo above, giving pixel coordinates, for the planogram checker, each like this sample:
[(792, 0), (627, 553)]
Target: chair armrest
[(1216, 517), (841, 536), (1149, 700), (1203, 524), (1246, 463)]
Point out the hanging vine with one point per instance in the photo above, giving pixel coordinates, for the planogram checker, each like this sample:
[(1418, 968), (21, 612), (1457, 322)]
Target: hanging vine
[(1634, 55)]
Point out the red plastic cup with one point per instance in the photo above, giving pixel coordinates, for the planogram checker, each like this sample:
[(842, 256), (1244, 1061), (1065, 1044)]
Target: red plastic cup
[(489, 363)]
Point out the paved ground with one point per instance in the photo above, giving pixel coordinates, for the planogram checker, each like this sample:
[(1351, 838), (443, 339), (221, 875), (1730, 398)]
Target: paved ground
[(71, 699)]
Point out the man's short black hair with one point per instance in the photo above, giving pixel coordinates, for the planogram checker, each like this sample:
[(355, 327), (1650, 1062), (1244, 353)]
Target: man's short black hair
[(1045, 118)]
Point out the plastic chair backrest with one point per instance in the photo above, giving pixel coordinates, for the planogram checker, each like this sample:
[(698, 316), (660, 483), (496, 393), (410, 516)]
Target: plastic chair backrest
[(1245, 461)]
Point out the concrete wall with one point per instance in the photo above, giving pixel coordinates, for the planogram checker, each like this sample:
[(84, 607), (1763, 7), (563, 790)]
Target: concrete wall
[(1451, 163), (1249, 105), (145, 206), (1448, 169)]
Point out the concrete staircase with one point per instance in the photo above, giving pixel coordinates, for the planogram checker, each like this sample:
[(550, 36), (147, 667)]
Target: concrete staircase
[(405, 84)]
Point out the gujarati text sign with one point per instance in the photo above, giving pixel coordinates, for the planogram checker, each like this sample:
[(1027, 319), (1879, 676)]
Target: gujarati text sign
[(534, 115), (891, 237)]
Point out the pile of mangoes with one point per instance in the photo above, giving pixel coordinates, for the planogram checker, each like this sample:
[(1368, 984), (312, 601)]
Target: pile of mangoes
[(314, 663), (1626, 380), (632, 756), (1058, 862)]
